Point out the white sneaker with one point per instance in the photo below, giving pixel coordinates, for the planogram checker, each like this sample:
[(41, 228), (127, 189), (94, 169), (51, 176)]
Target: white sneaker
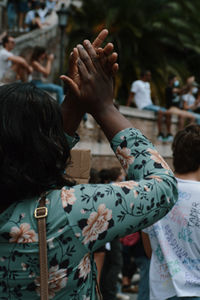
[(122, 296)]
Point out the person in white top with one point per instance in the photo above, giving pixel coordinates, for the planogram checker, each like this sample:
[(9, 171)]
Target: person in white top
[(35, 18), (175, 239), (10, 61), (141, 94), (191, 98)]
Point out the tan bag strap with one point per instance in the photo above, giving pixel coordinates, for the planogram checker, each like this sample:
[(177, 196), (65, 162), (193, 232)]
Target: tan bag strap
[(41, 214), (99, 295)]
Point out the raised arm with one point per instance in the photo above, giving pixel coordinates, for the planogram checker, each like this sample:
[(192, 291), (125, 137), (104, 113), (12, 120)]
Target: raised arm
[(45, 70), (106, 211), (72, 109), (98, 92), (21, 61)]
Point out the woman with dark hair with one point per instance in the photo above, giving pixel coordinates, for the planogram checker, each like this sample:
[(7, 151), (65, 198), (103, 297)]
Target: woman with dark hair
[(42, 64), (82, 218)]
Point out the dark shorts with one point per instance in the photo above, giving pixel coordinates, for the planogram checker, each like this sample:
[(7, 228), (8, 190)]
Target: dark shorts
[(22, 6)]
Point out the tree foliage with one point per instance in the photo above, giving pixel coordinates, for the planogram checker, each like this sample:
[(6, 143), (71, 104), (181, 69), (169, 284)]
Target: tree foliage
[(160, 35)]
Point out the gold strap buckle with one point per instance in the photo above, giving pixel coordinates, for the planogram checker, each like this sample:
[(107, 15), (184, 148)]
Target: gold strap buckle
[(40, 212)]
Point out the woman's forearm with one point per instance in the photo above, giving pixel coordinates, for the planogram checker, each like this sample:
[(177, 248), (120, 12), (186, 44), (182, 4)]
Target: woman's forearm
[(111, 121)]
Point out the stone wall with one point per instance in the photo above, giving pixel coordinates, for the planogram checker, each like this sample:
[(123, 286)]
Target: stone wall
[(102, 155)]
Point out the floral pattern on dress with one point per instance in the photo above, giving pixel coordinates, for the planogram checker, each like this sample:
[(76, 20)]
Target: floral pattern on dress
[(82, 219), (83, 271), (124, 157), (97, 223), (23, 234), (57, 280), (156, 178), (68, 199), (84, 266), (127, 184), (158, 158)]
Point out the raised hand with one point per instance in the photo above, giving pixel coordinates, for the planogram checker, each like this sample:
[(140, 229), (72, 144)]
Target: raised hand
[(96, 91), (96, 85), (72, 110), (90, 85), (107, 58)]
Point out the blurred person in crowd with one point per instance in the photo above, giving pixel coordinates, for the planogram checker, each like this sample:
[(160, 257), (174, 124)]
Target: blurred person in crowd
[(12, 14), (50, 4), (173, 100), (94, 176), (129, 267), (22, 9), (191, 96), (35, 18), (135, 258), (42, 65), (9, 63), (175, 239), (2, 35), (141, 94)]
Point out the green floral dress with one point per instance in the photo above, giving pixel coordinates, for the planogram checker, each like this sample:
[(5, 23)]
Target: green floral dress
[(80, 220)]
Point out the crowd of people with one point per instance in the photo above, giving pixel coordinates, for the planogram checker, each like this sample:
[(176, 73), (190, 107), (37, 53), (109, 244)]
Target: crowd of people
[(129, 219), (35, 70), (26, 15), (182, 101)]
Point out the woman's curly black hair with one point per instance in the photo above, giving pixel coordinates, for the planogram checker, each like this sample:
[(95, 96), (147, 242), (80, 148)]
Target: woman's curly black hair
[(33, 148), (186, 149)]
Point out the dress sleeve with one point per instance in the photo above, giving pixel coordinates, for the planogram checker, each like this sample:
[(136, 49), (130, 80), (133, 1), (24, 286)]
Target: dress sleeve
[(100, 212)]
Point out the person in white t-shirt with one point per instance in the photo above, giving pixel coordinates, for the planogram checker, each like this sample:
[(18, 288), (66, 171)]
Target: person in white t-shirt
[(9, 61), (191, 98), (35, 18), (141, 94), (175, 239)]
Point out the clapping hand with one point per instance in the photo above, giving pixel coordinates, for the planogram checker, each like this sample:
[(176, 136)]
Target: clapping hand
[(90, 87), (105, 56)]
